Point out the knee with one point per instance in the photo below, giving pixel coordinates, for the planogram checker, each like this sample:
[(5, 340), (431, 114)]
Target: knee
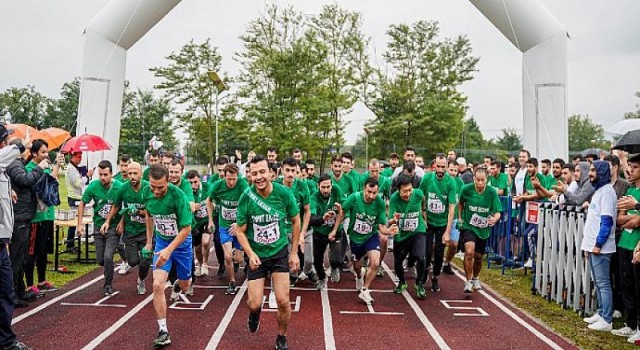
[(133, 260), (254, 304), (283, 304), (158, 286), (374, 263)]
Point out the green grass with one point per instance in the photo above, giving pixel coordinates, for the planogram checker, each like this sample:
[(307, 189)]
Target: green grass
[(516, 287)]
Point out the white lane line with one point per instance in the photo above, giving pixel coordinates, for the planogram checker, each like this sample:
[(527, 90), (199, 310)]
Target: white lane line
[(114, 327), (329, 340), (423, 318), (513, 315), (224, 323)]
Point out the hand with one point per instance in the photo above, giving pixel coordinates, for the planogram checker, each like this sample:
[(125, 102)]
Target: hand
[(294, 263), (596, 251), (301, 243), (90, 173), (254, 261), (238, 154), (14, 196), (60, 159), (211, 225), (517, 199), (492, 221), (636, 256), (332, 236), (233, 229), (44, 164), (120, 228), (80, 230), (198, 206), (627, 203), (104, 228), (393, 230), (328, 215), (633, 222), (163, 256), (148, 246), (560, 187), (585, 205), (535, 182), (193, 206), (446, 237), (338, 206)]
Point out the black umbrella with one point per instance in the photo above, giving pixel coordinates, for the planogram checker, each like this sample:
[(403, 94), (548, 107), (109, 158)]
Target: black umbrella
[(629, 142), (592, 152)]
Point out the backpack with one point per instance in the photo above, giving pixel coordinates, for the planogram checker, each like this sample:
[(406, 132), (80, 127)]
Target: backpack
[(47, 190)]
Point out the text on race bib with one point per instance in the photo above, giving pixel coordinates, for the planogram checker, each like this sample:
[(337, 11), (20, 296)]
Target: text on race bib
[(409, 225), (362, 227), (166, 227), (228, 214), (201, 213), (104, 212), (137, 218), (478, 221), (266, 234), (435, 206)]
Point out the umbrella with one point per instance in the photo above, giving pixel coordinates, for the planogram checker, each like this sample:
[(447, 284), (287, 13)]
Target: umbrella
[(84, 143), (20, 131), (621, 127), (592, 151), (629, 142), (56, 137)]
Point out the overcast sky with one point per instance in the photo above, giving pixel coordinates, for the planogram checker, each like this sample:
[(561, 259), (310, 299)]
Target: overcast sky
[(42, 46)]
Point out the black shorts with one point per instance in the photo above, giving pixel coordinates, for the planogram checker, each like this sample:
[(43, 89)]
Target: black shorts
[(196, 233), (469, 236), (276, 263)]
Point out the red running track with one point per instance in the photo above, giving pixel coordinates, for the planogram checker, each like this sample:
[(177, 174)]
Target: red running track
[(332, 319)]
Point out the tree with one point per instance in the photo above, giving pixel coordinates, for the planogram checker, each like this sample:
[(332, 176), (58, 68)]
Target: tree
[(636, 114), (417, 102), (185, 81), (584, 134), (24, 106), (145, 116), (63, 112), (510, 140)]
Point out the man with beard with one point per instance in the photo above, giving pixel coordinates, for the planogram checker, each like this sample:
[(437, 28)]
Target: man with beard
[(532, 181), (497, 179), (384, 192), (154, 158), (346, 188), (452, 170), (221, 163), (394, 161), (123, 176), (582, 195), (200, 231), (130, 200)]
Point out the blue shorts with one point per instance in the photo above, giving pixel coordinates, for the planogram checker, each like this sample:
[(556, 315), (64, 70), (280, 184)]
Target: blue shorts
[(182, 257), (360, 250), (455, 233), (226, 237)]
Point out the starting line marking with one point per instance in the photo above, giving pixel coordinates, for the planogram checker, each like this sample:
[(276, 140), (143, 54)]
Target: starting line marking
[(296, 305), (189, 305), (480, 313), (329, 340), (98, 303)]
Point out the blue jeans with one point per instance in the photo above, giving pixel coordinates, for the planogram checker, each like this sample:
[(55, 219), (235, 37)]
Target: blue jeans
[(600, 268)]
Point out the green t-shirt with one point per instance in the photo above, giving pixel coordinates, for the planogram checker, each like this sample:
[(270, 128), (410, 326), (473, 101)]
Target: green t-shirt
[(320, 206), (185, 186), (477, 208), (214, 178), (364, 217), (48, 214), (384, 185), (312, 185), (126, 197), (500, 182), (387, 172), (411, 220), (528, 185), (267, 219), (170, 213), (227, 200), (629, 238), (549, 181), (345, 184), (119, 177), (201, 216), (103, 199), (439, 194), (145, 174), (356, 179), (300, 192), (459, 184)]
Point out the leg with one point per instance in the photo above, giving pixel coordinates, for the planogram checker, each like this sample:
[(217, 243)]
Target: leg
[(182, 259), (374, 262), (45, 230), (30, 258), (439, 251), (428, 249), (132, 250), (7, 337), (112, 239), (335, 253), (255, 293), (601, 264), (418, 247), (121, 250), (217, 245), (469, 253), (320, 245), (281, 288), (384, 244), (628, 287), (477, 264), (308, 252), (159, 299), (228, 260), (206, 245), (18, 251), (145, 263), (400, 252), (71, 232)]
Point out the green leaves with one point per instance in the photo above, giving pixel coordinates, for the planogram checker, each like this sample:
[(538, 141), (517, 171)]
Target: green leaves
[(584, 134)]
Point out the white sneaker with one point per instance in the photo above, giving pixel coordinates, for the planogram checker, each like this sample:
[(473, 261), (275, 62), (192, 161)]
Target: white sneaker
[(189, 291), (335, 275), (380, 272), (365, 296), (198, 271), (529, 263), (624, 332), (205, 270), (459, 255), (359, 284), (273, 304), (468, 287), (632, 339), (601, 325), (476, 284), (617, 314), (593, 319), (124, 268), (142, 289)]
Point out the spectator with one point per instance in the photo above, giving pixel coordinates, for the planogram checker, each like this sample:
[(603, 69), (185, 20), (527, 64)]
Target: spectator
[(464, 172), (409, 156), (585, 190), (77, 178)]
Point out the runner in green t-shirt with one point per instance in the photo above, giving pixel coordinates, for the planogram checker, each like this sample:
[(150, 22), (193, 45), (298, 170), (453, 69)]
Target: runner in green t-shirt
[(367, 216), (130, 202), (479, 210), (200, 231), (154, 158), (338, 178), (300, 192), (102, 192), (325, 221), (349, 172), (441, 195), (394, 160), (225, 195), (169, 218), (266, 213), (218, 173), (498, 180), (407, 210), (123, 164), (452, 170)]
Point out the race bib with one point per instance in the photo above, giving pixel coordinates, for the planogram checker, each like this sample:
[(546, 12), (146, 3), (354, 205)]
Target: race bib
[(137, 218), (202, 212), (104, 212), (409, 225), (166, 227), (229, 214), (478, 221), (266, 234), (435, 206), (362, 227)]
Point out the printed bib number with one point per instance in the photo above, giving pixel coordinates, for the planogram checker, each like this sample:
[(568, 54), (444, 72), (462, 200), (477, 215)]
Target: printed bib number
[(137, 218), (266, 234), (479, 221), (362, 227), (166, 227), (201, 213), (229, 214), (104, 212), (435, 206), (409, 225)]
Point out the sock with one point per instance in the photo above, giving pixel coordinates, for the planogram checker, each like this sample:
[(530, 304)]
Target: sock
[(162, 323)]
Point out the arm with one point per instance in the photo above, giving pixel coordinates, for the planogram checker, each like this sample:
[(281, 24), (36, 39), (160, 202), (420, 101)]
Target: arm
[(583, 195), (305, 220), (606, 223), (149, 224), (210, 213), (107, 222), (80, 226), (7, 155), (295, 236), (21, 178)]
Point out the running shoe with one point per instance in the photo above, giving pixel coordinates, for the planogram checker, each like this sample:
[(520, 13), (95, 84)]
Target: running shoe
[(468, 287), (313, 277), (142, 289), (321, 284), (46, 286), (380, 272), (231, 290), (281, 342), (30, 296), (254, 321), (447, 270), (162, 340), (292, 281), (421, 293), (401, 287), (476, 284), (18, 346), (198, 271), (624, 331), (34, 289), (602, 326), (335, 275), (108, 290), (175, 291), (189, 291), (593, 319), (359, 283), (365, 296), (204, 270), (634, 338), (124, 268), (221, 272), (528, 264), (434, 285)]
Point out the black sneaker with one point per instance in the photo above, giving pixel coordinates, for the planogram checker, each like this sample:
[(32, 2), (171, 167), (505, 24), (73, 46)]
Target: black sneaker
[(18, 346), (254, 321), (221, 273), (231, 289), (108, 290), (281, 342), (29, 296), (434, 285), (19, 303), (292, 281), (236, 267), (162, 340), (447, 270), (313, 277)]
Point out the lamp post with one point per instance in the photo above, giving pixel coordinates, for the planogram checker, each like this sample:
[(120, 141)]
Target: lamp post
[(366, 146), (220, 87)]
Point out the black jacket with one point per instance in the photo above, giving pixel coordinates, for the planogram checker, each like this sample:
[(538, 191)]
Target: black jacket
[(22, 182)]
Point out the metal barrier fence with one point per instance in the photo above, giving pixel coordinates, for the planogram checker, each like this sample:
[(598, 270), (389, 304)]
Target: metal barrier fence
[(560, 272)]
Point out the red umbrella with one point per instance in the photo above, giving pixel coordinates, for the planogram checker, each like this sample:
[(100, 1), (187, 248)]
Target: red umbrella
[(84, 143)]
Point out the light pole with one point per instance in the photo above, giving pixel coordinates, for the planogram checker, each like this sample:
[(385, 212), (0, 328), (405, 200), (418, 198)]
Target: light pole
[(220, 87), (366, 146)]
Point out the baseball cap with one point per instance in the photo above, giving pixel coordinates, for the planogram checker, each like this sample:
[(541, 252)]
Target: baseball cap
[(5, 132), (461, 161)]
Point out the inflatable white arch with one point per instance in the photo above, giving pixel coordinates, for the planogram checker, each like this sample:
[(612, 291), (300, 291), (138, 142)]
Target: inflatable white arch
[(526, 23)]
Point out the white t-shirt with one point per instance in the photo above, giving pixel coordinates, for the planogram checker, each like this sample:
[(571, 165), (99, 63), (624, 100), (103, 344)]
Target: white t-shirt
[(573, 187), (603, 202), (398, 171), (519, 180)]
